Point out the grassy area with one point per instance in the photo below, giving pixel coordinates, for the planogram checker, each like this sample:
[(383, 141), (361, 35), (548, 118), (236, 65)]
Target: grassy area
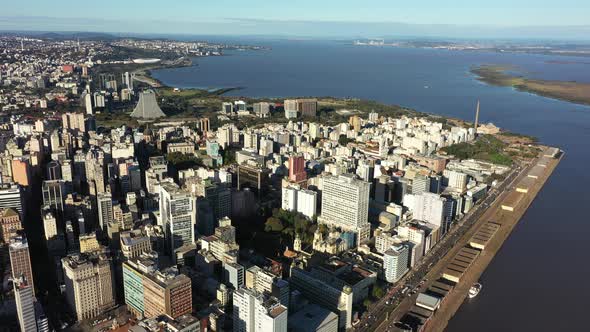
[(486, 148), (112, 120), (574, 92)]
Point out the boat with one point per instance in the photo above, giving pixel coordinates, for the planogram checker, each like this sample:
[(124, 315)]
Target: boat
[(474, 290)]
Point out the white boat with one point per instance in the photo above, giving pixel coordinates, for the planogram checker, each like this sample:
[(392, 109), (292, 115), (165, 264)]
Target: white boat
[(474, 290)]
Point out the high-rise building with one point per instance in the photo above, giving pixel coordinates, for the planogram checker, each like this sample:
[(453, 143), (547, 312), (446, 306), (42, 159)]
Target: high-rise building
[(396, 262), (99, 100), (150, 292), (25, 304), (134, 243), (217, 194), (88, 103), (456, 180), (313, 318), (178, 215), (20, 260), (227, 108), (104, 202), (88, 243), (9, 224), (53, 170), (49, 225), (54, 192), (297, 169), (345, 204), (307, 202), (254, 311), (355, 122), (429, 207), (336, 299), (254, 177), (21, 171), (73, 121), (420, 184), (305, 107), (233, 274), (262, 109), (89, 284)]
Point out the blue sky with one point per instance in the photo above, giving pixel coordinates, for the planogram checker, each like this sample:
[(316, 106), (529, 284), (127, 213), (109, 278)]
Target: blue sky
[(302, 17)]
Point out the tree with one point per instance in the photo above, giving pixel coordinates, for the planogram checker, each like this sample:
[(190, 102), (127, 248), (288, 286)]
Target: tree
[(273, 224), (377, 292), (343, 140)]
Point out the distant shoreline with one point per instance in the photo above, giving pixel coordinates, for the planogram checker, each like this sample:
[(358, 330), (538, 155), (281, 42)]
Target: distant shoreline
[(570, 91)]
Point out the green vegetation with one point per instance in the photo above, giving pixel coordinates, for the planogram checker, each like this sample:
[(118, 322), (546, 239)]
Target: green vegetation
[(343, 140), (113, 120), (289, 224), (182, 161), (486, 148), (531, 139), (574, 92)]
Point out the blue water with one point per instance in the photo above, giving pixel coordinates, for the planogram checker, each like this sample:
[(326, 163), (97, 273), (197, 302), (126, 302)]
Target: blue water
[(538, 280)]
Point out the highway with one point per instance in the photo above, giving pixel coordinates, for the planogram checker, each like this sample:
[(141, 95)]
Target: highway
[(382, 315)]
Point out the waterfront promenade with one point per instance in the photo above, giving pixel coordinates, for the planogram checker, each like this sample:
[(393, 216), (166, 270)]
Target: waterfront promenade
[(434, 264)]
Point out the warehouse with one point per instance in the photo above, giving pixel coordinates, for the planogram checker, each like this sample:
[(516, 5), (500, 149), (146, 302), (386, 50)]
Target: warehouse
[(483, 235), (511, 201)]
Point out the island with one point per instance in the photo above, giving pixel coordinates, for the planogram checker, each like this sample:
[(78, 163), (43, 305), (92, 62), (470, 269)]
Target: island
[(501, 75)]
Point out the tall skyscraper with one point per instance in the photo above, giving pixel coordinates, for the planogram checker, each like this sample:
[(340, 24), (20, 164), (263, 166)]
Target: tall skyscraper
[(254, 311), (20, 260), (178, 214), (25, 304), (345, 204), (89, 284), (105, 210), (88, 103)]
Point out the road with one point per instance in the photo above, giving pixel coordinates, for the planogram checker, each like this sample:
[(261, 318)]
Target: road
[(381, 315)]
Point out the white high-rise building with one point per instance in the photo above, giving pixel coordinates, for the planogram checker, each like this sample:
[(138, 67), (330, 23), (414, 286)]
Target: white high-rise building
[(289, 199), (307, 202), (290, 107), (395, 262), (254, 311), (88, 104), (178, 215), (456, 180), (345, 204), (429, 207)]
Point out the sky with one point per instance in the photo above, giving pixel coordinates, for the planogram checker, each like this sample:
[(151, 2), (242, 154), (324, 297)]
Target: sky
[(457, 18)]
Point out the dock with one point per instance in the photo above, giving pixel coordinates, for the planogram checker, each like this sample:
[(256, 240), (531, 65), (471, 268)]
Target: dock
[(496, 225), (454, 273)]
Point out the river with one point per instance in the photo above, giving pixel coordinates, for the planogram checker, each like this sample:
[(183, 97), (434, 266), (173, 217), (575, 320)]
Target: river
[(537, 281)]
